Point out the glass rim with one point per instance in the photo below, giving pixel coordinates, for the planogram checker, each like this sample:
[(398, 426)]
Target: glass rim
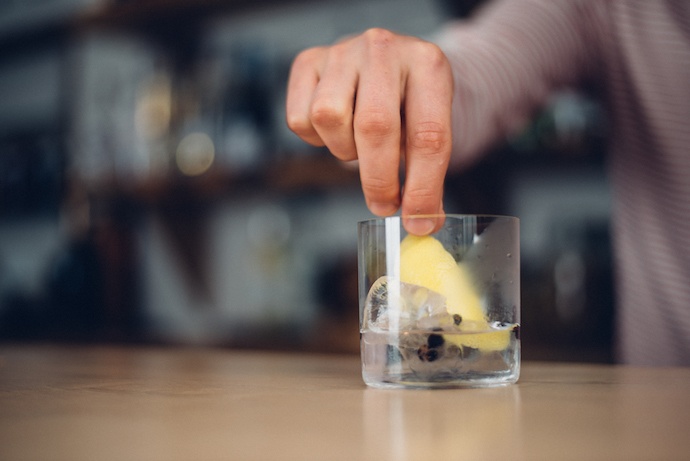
[(437, 215)]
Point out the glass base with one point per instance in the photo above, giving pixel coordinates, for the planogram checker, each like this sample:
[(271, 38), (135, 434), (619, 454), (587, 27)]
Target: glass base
[(454, 382), (397, 364)]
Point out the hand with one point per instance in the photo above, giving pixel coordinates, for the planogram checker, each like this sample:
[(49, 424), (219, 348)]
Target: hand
[(384, 99)]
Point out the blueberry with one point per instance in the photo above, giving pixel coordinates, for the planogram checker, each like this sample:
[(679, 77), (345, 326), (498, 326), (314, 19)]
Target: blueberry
[(427, 355), (435, 341)]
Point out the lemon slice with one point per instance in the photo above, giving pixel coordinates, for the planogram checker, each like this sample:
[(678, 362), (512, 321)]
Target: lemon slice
[(424, 262)]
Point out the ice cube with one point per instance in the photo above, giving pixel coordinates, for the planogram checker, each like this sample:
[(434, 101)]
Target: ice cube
[(380, 301), (410, 307), (375, 305)]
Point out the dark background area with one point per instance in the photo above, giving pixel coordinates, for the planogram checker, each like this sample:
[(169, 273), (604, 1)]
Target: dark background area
[(150, 191)]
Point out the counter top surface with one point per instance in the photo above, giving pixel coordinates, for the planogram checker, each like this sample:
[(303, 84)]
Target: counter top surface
[(86, 403)]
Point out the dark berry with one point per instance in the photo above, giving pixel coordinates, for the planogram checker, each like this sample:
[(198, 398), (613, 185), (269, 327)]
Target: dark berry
[(427, 355), (435, 341)]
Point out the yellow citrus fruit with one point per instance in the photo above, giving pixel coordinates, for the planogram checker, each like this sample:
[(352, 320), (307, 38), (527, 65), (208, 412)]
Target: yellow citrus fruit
[(424, 262)]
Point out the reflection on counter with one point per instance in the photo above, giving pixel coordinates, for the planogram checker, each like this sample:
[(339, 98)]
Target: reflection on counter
[(150, 190)]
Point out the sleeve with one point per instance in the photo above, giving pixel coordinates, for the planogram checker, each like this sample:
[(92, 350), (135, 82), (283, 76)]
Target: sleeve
[(509, 58)]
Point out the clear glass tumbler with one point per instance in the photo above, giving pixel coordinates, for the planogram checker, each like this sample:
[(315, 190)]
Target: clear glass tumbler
[(440, 311)]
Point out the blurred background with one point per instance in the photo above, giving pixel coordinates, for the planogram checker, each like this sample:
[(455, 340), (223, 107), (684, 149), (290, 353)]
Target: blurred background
[(151, 193)]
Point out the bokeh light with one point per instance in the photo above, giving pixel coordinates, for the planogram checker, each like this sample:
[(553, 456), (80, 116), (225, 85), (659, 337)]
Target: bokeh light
[(195, 154)]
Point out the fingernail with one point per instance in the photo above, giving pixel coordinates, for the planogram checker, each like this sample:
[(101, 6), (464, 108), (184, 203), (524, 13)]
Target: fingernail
[(382, 208), (420, 226)]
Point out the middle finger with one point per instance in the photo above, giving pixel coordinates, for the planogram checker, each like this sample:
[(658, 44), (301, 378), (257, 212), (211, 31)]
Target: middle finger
[(377, 124)]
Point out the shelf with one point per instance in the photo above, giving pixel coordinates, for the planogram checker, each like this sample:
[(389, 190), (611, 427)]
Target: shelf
[(43, 23), (295, 175), (146, 12)]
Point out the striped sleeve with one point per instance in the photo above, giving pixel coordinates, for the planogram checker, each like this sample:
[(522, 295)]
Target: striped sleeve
[(648, 88), (508, 60)]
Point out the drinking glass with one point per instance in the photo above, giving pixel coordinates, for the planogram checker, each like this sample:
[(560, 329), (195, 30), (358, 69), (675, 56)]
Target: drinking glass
[(440, 311)]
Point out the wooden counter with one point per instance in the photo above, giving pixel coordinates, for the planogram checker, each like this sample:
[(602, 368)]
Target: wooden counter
[(102, 403)]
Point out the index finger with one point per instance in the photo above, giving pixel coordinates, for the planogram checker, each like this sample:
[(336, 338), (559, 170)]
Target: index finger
[(428, 137)]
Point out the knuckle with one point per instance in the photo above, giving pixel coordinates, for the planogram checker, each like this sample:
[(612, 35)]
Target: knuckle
[(422, 199), (327, 115), (339, 52), (434, 62), (421, 194), (433, 55), (375, 124), (298, 124), (430, 138), (380, 189), (307, 57), (378, 36)]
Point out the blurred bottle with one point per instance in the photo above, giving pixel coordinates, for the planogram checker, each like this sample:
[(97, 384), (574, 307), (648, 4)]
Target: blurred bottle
[(244, 115)]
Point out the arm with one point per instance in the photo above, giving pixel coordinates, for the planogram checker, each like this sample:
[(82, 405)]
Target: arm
[(509, 59)]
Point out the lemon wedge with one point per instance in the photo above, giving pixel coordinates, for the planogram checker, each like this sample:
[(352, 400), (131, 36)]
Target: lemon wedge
[(424, 262)]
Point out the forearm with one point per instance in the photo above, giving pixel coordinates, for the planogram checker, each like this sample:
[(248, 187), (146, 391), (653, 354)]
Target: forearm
[(509, 59)]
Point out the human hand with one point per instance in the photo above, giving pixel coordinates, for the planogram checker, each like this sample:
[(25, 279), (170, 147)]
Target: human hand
[(384, 99)]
